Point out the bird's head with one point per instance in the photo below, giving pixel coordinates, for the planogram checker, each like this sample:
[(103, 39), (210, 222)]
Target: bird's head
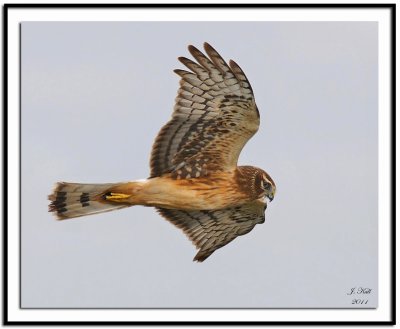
[(265, 184)]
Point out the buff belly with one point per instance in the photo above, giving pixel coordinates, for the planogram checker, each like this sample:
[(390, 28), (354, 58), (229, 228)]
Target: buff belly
[(190, 194)]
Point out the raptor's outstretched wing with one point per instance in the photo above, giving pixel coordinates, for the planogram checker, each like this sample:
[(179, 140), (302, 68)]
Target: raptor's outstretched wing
[(215, 114), (210, 230)]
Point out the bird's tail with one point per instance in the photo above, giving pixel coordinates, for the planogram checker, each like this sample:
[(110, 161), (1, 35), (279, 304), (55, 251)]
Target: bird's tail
[(70, 200)]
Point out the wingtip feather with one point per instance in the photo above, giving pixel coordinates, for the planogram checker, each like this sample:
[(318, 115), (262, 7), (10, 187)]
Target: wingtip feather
[(199, 258), (195, 52), (180, 72), (208, 47)]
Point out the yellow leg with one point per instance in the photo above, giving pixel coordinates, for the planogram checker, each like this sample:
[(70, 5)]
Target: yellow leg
[(117, 197)]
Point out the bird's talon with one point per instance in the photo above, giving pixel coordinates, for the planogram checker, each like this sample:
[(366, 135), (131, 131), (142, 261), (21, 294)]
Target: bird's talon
[(116, 196)]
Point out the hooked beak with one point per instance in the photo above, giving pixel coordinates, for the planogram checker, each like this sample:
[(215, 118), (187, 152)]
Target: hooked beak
[(271, 196)]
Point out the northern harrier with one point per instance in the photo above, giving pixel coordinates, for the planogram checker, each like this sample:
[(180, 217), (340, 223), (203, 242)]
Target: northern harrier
[(195, 182)]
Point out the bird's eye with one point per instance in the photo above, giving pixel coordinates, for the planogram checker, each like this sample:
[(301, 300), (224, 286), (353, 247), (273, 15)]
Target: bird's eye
[(267, 185)]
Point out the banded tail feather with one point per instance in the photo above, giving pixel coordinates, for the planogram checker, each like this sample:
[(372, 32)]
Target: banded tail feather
[(70, 200)]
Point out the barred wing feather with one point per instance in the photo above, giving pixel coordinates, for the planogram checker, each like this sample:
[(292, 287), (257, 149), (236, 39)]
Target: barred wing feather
[(210, 230), (214, 116)]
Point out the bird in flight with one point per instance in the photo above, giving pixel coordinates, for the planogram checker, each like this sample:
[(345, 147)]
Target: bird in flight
[(195, 182)]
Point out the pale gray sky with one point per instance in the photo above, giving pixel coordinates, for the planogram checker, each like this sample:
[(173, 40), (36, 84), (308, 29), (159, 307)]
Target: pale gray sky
[(94, 96)]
